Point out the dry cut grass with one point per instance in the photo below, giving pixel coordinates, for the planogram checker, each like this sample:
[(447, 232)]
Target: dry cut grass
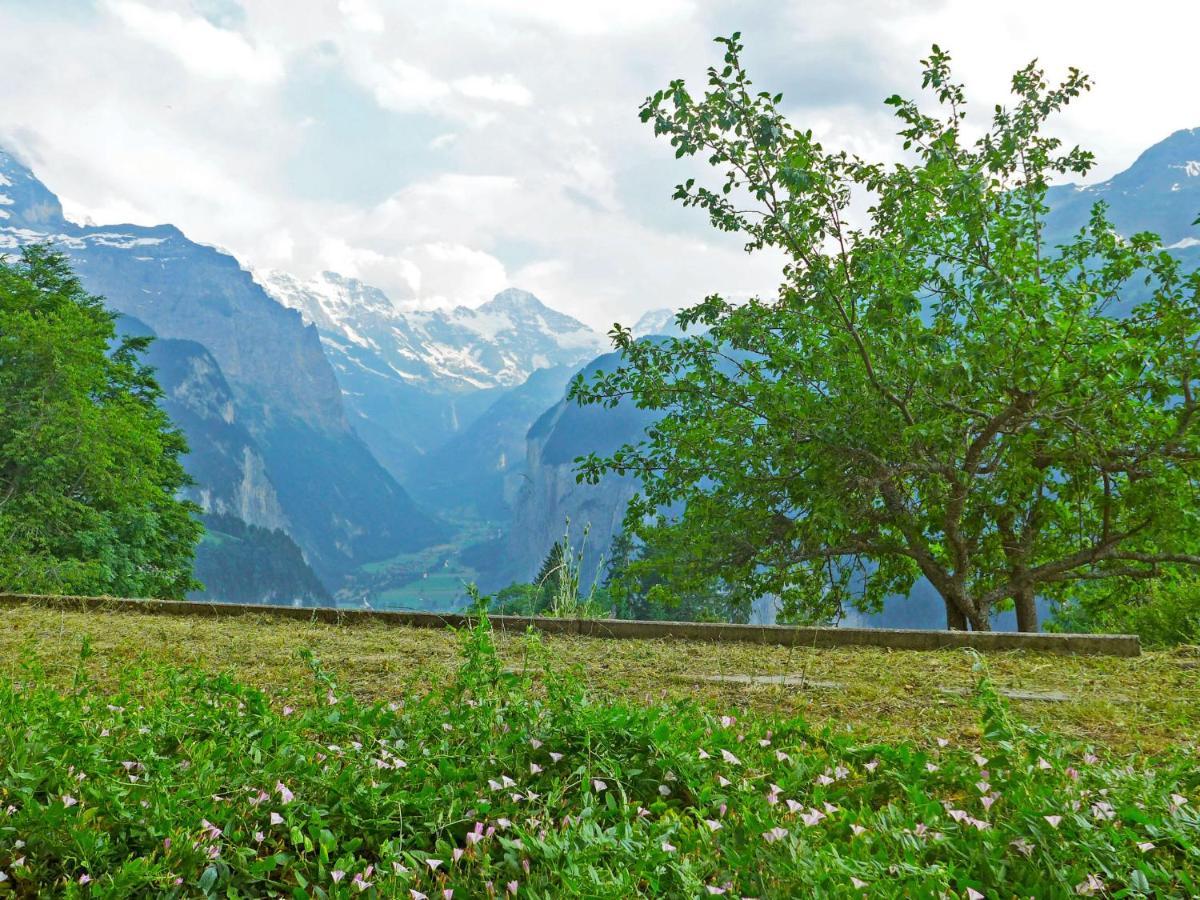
[(1137, 706)]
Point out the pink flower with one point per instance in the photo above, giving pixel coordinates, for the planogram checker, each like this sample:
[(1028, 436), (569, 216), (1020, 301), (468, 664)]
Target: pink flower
[(824, 780), (448, 894), (285, 796), (730, 758), (988, 801), (942, 742), (668, 848), (276, 819), (713, 824), (1177, 800), (930, 767), (840, 772), (795, 807), (534, 768), (721, 780), (259, 837), (857, 882), (871, 766), (726, 721), (555, 757), (1145, 846), (973, 894), (780, 756), (85, 878), (337, 875), (1093, 885), (511, 887), (1091, 759), (664, 791), (330, 698), (416, 895), (287, 710), (433, 864), (1043, 764), (599, 785), (980, 761), (812, 818), (775, 834), (535, 743), (713, 889), (1053, 820), (361, 883), (68, 800), (857, 829)]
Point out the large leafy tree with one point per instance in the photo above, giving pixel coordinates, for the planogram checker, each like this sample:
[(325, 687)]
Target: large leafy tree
[(937, 389), (89, 463)]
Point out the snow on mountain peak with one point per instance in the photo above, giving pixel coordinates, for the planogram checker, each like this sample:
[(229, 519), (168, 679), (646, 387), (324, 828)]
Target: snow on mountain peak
[(499, 343)]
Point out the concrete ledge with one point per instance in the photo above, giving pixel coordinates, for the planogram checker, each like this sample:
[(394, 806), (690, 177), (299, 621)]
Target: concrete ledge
[(780, 635)]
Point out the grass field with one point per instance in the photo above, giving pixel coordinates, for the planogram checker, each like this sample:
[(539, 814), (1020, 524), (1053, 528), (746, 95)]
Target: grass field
[(245, 757), (1144, 704)]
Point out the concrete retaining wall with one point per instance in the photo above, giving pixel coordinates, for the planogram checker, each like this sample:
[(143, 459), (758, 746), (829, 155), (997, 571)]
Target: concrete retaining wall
[(784, 635)]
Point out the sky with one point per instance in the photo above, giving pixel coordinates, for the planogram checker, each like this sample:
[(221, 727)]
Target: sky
[(446, 150)]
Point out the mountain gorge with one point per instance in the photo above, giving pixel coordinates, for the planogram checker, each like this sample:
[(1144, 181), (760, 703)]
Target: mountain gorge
[(414, 378)]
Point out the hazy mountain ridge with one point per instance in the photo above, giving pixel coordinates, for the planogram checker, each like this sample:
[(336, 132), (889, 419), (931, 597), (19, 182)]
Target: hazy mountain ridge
[(282, 392), (413, 379)]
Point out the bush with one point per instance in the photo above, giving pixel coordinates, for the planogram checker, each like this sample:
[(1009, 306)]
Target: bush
[(1166, 614), (495, 784)]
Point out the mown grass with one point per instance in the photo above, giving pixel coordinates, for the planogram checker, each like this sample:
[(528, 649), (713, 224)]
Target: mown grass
[(1140, 705), (126, 778)]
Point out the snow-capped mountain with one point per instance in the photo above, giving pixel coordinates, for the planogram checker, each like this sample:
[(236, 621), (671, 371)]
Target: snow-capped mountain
[(658, 321), (414, 378), (498, 344), (1160, 192)]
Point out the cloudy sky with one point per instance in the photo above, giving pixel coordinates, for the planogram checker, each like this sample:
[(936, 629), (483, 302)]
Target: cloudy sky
[(445, 150)]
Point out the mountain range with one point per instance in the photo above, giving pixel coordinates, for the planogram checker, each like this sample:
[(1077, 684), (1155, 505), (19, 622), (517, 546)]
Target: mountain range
[(344, 443)]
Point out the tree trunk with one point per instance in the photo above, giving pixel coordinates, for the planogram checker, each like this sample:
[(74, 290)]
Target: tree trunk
[(955, 620), (1026, 610)]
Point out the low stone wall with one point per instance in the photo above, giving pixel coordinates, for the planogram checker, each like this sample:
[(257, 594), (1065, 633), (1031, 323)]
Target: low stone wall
[(784, 635)]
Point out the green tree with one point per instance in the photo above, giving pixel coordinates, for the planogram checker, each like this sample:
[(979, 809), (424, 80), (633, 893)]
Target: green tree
[(937, 391), (89, 464)]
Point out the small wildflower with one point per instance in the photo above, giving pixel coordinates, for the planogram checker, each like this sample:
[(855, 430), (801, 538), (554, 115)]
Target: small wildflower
[(1145, 846), (285, 796), (68, 800), (337, 875), (85, 878), (276, 819), (668, 848), (599, 785), (1053, 820), (433, 864), (857, 882)]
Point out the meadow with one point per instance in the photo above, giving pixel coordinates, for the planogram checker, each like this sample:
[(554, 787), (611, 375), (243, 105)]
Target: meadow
[(237, 756)]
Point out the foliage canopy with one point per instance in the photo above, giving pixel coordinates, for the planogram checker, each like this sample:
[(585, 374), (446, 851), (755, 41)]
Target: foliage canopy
[(940, 391), (89, 464)]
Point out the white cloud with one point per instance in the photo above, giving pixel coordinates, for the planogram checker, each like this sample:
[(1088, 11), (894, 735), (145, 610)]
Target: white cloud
[(502, 89), (361, 15), (200, 46), (446, 150)]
